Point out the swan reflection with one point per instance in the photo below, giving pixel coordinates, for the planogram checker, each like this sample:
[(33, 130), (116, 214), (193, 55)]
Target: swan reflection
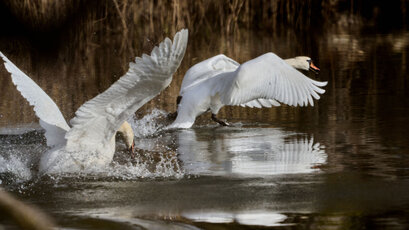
[(257, 217), (249, 151), (253, 218)]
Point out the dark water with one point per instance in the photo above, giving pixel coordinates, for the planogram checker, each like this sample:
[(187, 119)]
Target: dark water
[(339, 165)]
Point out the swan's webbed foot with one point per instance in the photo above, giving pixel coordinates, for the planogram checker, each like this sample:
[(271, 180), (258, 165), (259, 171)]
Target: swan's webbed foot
[(223, 123)]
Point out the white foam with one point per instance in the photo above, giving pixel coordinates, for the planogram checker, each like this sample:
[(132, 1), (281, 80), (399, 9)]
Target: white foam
[(149, 124), (166, 167), (17, 158), (18, 168)]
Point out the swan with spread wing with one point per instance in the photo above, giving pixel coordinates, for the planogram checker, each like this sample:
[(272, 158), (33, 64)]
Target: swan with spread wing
[(265, 81), (89, 143)]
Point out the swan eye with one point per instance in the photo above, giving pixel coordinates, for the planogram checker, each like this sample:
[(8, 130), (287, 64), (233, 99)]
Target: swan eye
[(309, 61)]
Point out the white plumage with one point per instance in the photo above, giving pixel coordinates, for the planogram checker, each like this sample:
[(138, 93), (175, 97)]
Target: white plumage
[(265, 81), (90, 143)]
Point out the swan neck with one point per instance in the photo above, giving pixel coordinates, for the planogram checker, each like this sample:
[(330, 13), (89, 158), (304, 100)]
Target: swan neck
[(295, 63)]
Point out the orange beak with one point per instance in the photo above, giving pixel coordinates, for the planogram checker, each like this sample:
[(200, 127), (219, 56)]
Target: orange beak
[(314, 68), (133, 147)]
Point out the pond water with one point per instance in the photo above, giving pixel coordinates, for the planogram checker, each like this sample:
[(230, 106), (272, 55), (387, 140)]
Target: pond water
[(341, 164)]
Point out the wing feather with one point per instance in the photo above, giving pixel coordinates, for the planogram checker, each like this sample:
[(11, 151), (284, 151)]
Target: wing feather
[(270, 77), (51, 118), (207, 69), (97, 120)]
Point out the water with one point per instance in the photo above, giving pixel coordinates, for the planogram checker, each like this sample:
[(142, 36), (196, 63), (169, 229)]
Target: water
[(339, 165)]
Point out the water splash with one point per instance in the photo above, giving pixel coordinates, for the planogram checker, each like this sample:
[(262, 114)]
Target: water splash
[(154, 157), (20, 155), (150, 124), (147, 165), (14, 168)]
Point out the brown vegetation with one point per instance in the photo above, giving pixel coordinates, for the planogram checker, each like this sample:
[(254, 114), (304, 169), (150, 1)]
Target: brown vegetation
[(75, 49)]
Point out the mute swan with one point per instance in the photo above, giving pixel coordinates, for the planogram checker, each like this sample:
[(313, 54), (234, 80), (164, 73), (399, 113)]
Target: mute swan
[(90, 143), (262, 82)]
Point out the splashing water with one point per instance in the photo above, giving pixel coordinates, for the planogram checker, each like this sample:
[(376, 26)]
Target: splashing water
[(16, 168), (20, 154), (154, 158), (161, 165), (149, 124)]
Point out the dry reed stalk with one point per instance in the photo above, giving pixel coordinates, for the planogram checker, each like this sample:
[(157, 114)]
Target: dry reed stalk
[(235, 7), (121, 14), (42, 14)]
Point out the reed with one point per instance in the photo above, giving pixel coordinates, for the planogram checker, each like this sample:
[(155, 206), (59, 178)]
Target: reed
[(167, 16), (79, 47), (171, 14)]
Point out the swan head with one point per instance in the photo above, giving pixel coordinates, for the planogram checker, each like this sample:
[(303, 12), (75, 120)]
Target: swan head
[(127, 134), (304, 63)]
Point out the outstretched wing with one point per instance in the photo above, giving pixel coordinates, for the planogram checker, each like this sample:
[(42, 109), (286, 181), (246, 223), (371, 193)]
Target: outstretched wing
[(97, 120), (50, 116), (207, 69), (270, 77)]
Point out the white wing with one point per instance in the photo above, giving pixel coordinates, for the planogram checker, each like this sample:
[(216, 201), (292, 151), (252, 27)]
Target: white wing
[(269, 77), (50, 116), (207, 69), (97, 120)]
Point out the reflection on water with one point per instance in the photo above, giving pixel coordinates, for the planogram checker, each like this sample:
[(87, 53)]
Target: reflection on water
[(231, 151), (252, 218), (248, 151)]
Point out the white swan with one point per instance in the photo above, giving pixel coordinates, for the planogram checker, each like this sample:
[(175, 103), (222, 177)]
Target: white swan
[(90, 143), (261, 82)]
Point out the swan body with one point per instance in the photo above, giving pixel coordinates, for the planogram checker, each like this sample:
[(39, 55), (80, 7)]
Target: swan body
[(89, 143), (265, 81)]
